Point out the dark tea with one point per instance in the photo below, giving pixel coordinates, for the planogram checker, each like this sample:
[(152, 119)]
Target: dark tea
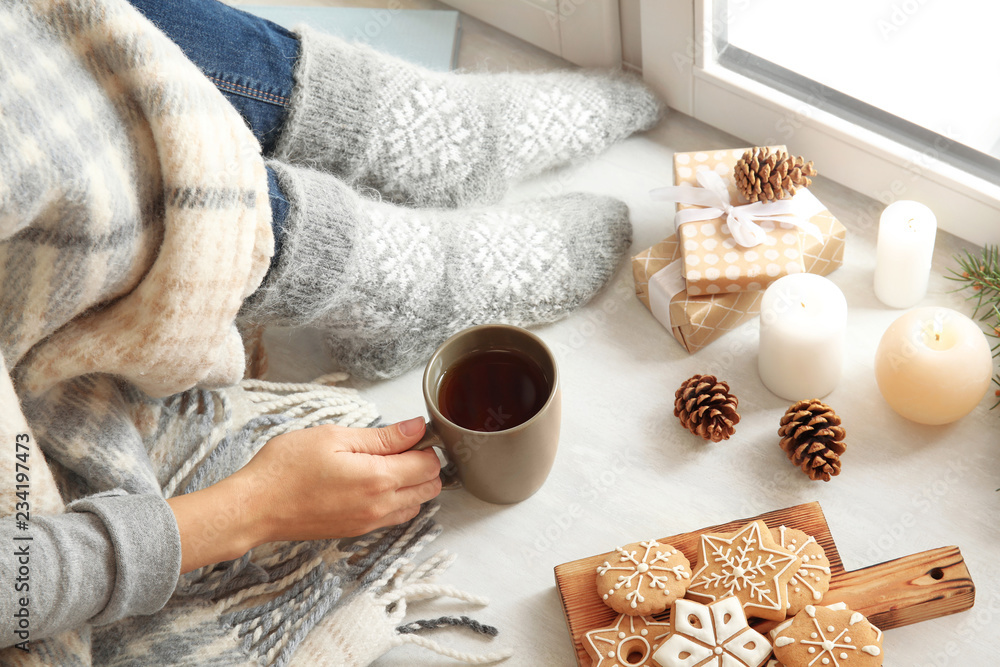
[(492, 390)]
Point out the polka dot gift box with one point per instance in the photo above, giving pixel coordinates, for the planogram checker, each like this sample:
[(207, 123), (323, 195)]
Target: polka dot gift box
[(713, 261), (696, 320)]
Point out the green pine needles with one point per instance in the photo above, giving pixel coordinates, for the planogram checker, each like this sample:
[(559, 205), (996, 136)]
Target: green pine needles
[(981, 274)]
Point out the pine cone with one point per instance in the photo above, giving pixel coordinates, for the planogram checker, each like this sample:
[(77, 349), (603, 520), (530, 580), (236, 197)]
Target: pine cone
[(812, 437), (706, 407), (764, 175)]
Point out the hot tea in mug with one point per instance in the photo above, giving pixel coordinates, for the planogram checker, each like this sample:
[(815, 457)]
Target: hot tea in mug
[(493, 390)]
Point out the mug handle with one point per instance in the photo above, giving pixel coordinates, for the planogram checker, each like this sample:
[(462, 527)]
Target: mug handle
[(449, 473)]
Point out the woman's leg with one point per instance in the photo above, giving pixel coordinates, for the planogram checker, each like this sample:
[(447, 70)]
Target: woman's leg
[(387, 283), (426, 138), (250, 59), (418, 137)]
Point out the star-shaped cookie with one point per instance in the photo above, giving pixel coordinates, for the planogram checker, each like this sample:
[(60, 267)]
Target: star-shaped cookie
[(748, 565), (630, 642)]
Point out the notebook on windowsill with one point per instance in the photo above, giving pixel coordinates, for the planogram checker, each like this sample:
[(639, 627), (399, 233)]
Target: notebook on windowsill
[(427, 37)]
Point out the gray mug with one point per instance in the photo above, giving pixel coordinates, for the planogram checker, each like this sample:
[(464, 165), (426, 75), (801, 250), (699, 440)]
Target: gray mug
[(498, 466)]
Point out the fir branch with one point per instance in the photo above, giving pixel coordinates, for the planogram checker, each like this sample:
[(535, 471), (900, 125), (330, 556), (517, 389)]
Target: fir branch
[(981, 274)]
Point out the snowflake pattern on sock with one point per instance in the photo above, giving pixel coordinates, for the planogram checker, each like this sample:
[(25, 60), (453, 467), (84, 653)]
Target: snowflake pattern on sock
[(748, 565), (441, 139), (388, 283), (428, 134)]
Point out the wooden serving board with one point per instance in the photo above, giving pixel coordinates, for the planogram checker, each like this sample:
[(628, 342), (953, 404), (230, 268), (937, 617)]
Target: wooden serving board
[(892, 594)]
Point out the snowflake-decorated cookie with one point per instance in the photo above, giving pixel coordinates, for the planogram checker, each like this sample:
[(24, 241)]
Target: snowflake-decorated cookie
[(630, 642), (832, 636), (748, 565), (713, 635), (643, 579), (812, 580)]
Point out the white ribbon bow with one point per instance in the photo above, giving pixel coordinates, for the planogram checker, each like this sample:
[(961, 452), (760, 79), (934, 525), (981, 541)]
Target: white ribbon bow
[(743, 220)]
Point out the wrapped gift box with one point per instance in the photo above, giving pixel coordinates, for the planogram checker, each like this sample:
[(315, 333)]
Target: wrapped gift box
[(697, 320), (713, 262)]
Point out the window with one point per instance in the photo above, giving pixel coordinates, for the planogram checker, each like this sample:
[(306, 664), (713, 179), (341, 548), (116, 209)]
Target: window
[(888, 96)]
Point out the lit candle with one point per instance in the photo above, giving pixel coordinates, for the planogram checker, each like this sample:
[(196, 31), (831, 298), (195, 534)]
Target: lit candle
[(802, 322), (933, 365), (906, 234)]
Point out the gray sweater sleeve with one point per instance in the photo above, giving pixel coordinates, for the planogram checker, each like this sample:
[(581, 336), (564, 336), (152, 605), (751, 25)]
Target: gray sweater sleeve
[(110, 556)]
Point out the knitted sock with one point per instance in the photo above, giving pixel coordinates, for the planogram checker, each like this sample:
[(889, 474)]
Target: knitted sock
[(428, 138), (389, 283)]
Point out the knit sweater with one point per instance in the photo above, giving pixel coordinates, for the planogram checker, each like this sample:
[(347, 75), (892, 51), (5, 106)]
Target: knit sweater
[(134, 221)]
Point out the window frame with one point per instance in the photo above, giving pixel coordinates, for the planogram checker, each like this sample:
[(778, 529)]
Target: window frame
[(678, 57)]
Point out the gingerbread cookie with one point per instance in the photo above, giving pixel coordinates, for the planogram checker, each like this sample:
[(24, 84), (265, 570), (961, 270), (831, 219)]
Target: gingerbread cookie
[(643, 579), (712, 635), (832, 635), (812, 580), (630, 642), (748, 565)]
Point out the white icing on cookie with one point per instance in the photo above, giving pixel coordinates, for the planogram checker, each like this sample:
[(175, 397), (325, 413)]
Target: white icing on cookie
[(644, 570), (743, 566)]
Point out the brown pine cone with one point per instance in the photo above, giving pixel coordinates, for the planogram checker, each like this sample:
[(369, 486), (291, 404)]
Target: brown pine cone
[(765, 175), (706, 408), (812, 437)]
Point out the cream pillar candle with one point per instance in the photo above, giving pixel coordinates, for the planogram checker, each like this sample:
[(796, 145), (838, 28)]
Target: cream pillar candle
[(802, 322), (906, 234), (933, 365)]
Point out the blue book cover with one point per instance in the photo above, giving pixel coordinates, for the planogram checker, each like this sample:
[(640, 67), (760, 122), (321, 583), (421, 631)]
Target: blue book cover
[(427, 37)]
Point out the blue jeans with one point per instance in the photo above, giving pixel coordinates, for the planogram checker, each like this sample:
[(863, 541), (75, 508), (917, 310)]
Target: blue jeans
[(249, 59)]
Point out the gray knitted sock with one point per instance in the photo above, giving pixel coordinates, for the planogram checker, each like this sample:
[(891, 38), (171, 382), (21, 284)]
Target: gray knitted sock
[(389, 283), (428, 138)]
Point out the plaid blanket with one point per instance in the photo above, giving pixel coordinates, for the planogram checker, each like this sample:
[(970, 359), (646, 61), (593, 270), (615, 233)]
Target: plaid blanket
[(134, 221)]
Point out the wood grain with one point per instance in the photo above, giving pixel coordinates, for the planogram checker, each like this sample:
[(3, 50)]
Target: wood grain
[(892, 594), (907, 590)]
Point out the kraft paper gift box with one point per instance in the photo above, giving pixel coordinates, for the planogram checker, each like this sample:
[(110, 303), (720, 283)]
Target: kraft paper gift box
[(714, 263), (695, 321)]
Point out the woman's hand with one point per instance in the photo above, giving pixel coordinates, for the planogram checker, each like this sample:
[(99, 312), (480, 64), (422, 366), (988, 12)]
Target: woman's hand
[(316, 483)]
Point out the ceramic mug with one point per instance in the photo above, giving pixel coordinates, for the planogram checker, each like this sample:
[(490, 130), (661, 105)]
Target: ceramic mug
[(496, 464)]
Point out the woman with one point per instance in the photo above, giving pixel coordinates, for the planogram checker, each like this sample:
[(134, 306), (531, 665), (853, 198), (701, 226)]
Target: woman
[(142, 219)]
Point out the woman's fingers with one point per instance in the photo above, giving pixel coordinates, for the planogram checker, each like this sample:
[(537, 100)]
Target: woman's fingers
[(419, 493), (412, 468), (391, 439), (401, 515)]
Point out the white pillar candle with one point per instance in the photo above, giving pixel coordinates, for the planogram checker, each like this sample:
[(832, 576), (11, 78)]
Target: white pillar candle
[(802, 322), (906, 234), (933, 365)]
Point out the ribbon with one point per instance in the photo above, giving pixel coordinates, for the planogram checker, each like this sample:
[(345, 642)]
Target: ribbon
[(744, 220), (663, 286)]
